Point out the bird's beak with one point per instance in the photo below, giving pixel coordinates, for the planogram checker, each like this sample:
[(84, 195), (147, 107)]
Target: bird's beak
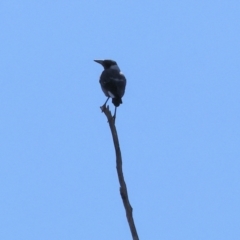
[(99, 61)]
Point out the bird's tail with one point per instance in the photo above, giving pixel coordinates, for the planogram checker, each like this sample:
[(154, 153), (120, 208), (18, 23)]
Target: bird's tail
[(116, 101)]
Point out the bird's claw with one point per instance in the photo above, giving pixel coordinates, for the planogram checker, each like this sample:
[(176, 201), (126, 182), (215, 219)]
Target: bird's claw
[(103, 107), (114, 118)]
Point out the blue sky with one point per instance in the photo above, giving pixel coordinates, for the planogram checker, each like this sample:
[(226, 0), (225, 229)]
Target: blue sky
[(178, 125)]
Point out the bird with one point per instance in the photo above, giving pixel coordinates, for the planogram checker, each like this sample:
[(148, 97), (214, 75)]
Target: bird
[(113, 83)]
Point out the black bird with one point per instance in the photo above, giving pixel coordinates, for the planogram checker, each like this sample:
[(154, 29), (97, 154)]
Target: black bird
[(112, 82)]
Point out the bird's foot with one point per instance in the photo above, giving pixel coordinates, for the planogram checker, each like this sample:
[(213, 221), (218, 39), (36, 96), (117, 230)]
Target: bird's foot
[(114, 118), (103, 107)]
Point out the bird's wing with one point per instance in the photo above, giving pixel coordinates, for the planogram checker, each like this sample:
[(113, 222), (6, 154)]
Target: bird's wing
[(114, 82), (120, 84)]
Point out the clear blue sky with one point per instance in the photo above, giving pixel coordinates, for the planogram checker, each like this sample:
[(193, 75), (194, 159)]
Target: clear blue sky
[(178, 125)]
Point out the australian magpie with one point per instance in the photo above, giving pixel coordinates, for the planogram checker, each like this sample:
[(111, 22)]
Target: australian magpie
[(112, 82)]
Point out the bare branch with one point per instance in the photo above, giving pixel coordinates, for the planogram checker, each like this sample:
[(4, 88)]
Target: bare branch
[(123, 186)]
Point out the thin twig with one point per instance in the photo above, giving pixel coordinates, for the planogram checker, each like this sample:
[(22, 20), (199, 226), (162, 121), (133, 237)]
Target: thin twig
[(123, 186)]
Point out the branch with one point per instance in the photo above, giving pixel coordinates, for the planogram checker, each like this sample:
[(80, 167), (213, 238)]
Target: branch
[(123, 186)]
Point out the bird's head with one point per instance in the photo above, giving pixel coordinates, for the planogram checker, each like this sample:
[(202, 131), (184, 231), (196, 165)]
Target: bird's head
[(108, 64)]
